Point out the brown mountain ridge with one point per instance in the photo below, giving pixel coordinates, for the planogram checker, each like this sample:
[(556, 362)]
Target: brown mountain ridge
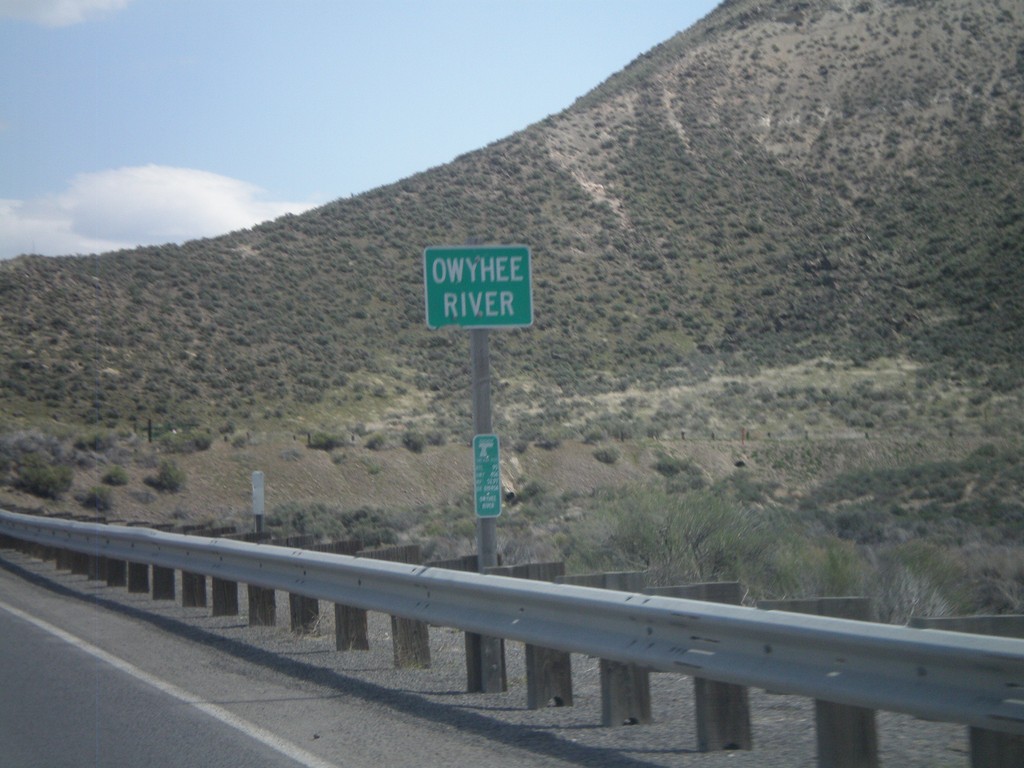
[(830, 183)]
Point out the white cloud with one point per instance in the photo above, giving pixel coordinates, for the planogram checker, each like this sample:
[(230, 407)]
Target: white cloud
[(57, 13), (126, 207)]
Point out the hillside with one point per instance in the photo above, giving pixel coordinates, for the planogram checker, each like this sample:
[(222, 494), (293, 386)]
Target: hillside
[(826, 183)]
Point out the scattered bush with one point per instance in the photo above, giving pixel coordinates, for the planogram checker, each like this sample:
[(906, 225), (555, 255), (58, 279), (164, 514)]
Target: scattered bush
[(98, 442), (683, 474), (98, 498), (376, 441), (606, 455), (414, 441), (38, 476), (371, 526), (677, 539), (826, 568), (185, 442), (169, 477), (322, 441), (116, 475), (669, 466)]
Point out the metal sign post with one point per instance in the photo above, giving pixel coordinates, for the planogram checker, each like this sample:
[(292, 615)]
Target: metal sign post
[(479, 287), (486, 527)]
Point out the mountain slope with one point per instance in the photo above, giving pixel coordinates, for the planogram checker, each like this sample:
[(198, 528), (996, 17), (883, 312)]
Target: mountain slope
[(783, 182)]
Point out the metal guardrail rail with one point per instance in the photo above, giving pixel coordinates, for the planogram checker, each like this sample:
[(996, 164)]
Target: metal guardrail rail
[(936, 675)]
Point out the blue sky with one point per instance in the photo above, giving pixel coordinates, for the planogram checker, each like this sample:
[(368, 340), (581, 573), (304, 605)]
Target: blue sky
[(127, 122)]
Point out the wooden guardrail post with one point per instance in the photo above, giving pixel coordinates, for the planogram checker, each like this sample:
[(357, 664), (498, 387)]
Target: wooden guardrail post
[(224, 596), (847, 736), (97, 568), (79, 564), (474, 666), (350, 630), (261, 602), (93, 567), (64, 560), (347, 636), (193, 590), (625, 688), (193, 585), (411, 637), (548, 671), (989, 749), (138, 573), (162, 579), (224, 593), (138, 577), (117, 573), (163, 583), (303, 612), (723, 709), (262, 606)]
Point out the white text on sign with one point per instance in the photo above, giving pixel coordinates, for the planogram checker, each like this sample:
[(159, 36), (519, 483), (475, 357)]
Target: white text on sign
[(478, 269)]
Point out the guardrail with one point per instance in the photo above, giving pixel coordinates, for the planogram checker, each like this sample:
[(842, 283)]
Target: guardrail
[(932, 674)]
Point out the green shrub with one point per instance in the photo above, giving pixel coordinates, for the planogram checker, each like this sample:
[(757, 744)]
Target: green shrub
[(829, 567), (683, 475), (169, 477), (99, 498), (548, 442), (414, 441), (669, 466), (185, 442), (116, 475), (98, 442), (38, 476), (321, 441), (677, 539), (371, 526), (606, 455), (376, 441)]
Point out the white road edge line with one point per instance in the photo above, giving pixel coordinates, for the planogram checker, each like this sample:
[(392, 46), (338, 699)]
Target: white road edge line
[(262, 735)]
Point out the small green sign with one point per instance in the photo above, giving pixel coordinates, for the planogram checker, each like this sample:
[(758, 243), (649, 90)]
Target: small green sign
[(476, 286), (486, 476)]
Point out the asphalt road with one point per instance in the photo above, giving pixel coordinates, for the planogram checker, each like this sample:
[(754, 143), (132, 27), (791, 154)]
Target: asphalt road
[(84, 685), (65, 704)]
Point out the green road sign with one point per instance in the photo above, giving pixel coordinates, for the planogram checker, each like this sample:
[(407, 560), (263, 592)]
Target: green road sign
[(486, 476), (476, 286)]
